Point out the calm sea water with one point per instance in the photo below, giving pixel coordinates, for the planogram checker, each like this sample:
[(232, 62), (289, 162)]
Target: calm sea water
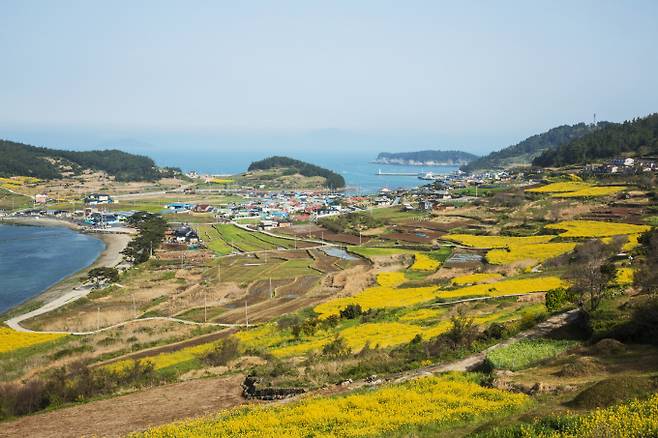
[(356, 167), (34, 258)]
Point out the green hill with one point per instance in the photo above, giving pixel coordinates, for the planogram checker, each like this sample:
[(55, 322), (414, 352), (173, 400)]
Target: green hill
[(333, 180), (524, 152), (44, 163), (631, 138)]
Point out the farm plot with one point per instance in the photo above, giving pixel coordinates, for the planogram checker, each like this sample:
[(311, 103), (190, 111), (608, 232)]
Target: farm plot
[(438, 401), (248, 241), (585, 228), (11, 340)]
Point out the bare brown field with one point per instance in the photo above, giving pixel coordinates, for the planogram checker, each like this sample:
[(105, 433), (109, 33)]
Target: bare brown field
[(118, 416)]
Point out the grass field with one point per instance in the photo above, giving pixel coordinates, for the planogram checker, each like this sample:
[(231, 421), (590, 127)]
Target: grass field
[(378, 252), (13, 201), (526, 353)]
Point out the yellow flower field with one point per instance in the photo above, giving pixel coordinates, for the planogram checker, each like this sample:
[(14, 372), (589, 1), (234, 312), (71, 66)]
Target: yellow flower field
[(423, 314), (11, 340), (378, 297), (485, 242), (559, 187), (585, 228), (538, 252), (423, 262), (590, 192), (475, 278), (390, 279), (624, 276), (507, 287), (440, 401)]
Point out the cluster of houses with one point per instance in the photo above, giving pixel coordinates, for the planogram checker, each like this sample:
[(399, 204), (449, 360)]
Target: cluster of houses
[(625, 166)]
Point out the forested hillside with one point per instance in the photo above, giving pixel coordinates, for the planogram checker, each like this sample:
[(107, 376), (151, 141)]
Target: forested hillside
[(334, 180), (633, 137), (525, 151), (21, 159)]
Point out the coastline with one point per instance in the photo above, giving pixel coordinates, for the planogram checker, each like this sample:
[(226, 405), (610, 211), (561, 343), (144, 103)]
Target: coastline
[(110, 256)]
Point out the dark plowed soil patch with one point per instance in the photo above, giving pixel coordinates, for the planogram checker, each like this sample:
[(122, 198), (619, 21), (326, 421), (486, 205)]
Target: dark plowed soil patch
[(300, 286), (174, 347), (134, 412)]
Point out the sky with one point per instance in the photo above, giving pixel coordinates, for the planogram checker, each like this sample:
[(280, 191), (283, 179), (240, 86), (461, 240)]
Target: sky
[(346, 75)]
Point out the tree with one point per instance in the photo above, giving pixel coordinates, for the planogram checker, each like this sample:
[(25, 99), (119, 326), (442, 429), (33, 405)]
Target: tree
[(103, 275), (591, 271), (646, 277)]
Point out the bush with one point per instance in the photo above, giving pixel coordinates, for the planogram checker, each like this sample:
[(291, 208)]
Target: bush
[(225, 351), (337, 348), (352, 311), (556, 299)]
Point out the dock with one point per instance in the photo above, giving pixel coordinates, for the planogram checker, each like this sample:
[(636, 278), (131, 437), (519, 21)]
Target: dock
[(380, 173)]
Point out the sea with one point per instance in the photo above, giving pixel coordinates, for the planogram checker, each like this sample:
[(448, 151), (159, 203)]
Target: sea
[(33, 258), (358, 169)]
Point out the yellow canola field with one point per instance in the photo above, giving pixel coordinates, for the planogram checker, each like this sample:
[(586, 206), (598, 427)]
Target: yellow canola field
[(507, 287), (423, 262), (378, 297), (590, 192), (624, 276), (560, 187), (585, 228), (165, 360), (11, 340), (476, 241), (390, 279), (475, 278), (440, 401), (423, 314), (535, 251)]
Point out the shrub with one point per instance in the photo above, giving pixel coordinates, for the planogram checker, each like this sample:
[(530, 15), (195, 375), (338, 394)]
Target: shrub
[(223, 353), (556, 299), (336, 348), (352, 311)]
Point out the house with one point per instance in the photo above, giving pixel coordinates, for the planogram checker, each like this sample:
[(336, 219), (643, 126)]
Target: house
[(98, 198), (41, 198), (202, 208), (179, 207), (185, 234)]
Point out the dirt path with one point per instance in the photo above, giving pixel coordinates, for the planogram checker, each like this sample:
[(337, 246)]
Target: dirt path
[(118, 416)]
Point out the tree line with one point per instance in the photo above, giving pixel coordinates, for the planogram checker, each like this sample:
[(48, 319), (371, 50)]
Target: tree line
[(20, 159), (635, 137)]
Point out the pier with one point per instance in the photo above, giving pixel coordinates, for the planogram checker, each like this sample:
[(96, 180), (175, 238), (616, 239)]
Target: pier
[(397, 173)]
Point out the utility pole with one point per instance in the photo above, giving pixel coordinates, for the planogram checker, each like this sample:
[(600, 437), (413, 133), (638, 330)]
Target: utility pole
[(98, 318), (205, 306), (134, 306), (219, 272), (271, 295), (359, 237)]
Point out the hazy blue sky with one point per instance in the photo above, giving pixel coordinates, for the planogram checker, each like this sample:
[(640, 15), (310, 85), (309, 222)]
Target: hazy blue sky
[(371, 74)]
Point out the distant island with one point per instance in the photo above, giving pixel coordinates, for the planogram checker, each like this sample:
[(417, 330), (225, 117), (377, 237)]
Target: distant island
[(291, 167), (426, 158)]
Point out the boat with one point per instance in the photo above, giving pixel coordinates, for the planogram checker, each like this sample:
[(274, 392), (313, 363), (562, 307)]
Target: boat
[(428, 176)]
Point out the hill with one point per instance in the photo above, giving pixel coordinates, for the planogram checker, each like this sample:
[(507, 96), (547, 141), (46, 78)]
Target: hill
[(39, 162), (425, 158), (525, 151), (633, 137), (332, 179)]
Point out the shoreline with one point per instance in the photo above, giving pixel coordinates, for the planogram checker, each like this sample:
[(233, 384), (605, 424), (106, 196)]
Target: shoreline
[(110, 256)]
